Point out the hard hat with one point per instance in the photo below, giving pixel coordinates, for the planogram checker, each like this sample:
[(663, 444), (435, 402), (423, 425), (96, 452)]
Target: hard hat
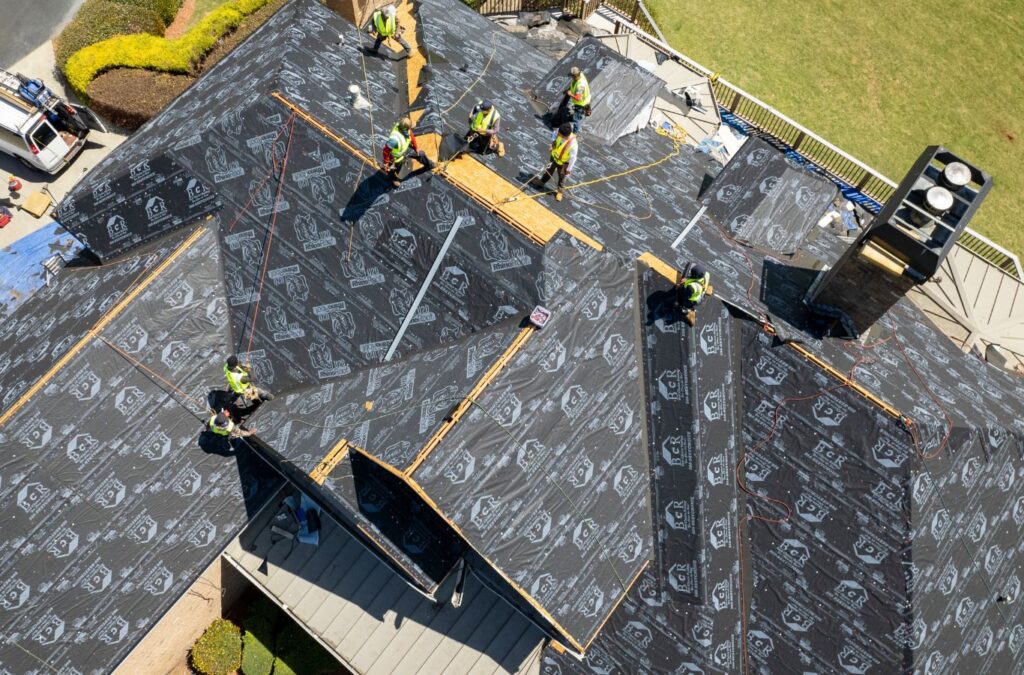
[(405, 124), (565, 129), (232, 361), (390, 10), (221, 420), (486, 105), (574, 71), (697, 271)]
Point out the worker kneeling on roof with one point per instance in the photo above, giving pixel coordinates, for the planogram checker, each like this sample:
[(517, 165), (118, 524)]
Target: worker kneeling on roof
[(563, 158), (691, 290), (222, 425), (484, 125), (240, 383), (400, 146), (384, 24)]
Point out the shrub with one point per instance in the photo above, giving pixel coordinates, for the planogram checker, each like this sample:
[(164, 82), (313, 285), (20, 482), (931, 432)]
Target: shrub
[(299, 654), (165, 9), (218, 651), (257, 657), (98, 20), (156, 53)]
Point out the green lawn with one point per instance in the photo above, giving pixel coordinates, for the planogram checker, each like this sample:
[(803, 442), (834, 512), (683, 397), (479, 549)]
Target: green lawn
[(881, 80)]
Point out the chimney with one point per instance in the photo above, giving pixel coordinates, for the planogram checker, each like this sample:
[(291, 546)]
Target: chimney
[(905, 244)]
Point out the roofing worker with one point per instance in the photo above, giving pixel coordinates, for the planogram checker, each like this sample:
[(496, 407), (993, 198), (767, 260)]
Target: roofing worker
[(578, 95), (222, 425), (563, 158), (691, 291), (384, 23), (400, 146), (240, 382), (484, 125)]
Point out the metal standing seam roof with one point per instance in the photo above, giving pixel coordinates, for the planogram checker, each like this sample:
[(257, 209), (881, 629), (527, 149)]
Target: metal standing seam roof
[(372, 619)]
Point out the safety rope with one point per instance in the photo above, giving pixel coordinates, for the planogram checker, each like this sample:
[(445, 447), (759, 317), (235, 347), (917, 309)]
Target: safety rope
[(270, 236), (494, 49), (273, 169), (198, 403), (677, 139)]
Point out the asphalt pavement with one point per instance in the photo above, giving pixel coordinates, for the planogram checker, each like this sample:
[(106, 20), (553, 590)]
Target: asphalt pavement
[(29, 24)]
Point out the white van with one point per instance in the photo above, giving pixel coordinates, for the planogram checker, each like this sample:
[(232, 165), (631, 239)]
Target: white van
[(40, 129)]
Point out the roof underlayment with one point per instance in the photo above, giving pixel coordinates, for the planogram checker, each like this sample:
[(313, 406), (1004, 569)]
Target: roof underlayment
[(664, 498)]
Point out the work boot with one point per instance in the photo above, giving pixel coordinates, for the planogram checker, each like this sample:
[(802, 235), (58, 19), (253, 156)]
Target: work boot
[(558, 196), (501, 149), (691, 317), (396, 183), (537, 183)]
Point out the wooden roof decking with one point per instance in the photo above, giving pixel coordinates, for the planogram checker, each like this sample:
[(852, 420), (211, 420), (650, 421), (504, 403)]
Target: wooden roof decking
[(976, 304), (371, 619)]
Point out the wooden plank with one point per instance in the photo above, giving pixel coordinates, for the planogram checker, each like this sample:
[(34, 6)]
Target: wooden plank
[(499, 657), (334, 570), (524, 657), (478, 646), (358, 621)]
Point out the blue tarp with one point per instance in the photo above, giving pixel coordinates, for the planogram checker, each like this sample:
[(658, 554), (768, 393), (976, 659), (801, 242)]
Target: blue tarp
[(21, 264)]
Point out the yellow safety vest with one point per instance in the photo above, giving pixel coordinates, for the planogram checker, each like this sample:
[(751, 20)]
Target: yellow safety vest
[(561, 149), (580, 90), (698, 287), (234, 378), (384, 26), (482, 121), (221, 431), (400, 146)]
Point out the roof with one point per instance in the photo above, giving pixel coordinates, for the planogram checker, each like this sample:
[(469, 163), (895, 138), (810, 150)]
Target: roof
[(760, 493), (372, 619), (108, 509)]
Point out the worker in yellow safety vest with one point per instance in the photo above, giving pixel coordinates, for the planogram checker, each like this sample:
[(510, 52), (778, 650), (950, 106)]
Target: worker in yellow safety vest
[(578, 98), (691, 290), (400, 146), (222, 425), (239, 379), (562, 158), (384, 24), (484, 125)]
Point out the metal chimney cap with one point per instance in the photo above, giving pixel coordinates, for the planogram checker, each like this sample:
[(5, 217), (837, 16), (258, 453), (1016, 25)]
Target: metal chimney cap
[(938, 199), (956, 174)]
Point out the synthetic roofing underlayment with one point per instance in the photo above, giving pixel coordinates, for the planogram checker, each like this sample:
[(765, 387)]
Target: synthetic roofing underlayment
[(660, 497)]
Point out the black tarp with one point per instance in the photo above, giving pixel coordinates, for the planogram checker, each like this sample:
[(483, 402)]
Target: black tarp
[(622, 91), (765, 200), (545, 475), (109, 508)]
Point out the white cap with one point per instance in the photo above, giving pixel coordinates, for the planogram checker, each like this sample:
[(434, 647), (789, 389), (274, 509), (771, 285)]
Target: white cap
[(390, 10)]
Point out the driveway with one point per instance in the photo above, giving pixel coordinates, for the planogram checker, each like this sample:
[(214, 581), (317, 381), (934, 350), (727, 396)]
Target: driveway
[(31, 23)]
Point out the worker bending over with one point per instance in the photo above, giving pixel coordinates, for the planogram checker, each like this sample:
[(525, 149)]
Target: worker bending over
[(691, 290), (484, 125), (384, 24), (240, 383), (400, 146), (563, 158), (578, 95), (222, 425)]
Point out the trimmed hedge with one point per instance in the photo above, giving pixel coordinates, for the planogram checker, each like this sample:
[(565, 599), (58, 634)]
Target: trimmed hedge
[(218, 651), (157, 53), (299, 654), (98, 20), (257, 657)]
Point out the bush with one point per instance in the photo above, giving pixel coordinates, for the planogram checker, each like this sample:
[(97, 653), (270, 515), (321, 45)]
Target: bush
[(98, 20), (165, 9), (257, 657), (299, 654), (156, 53), (218, 651)]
